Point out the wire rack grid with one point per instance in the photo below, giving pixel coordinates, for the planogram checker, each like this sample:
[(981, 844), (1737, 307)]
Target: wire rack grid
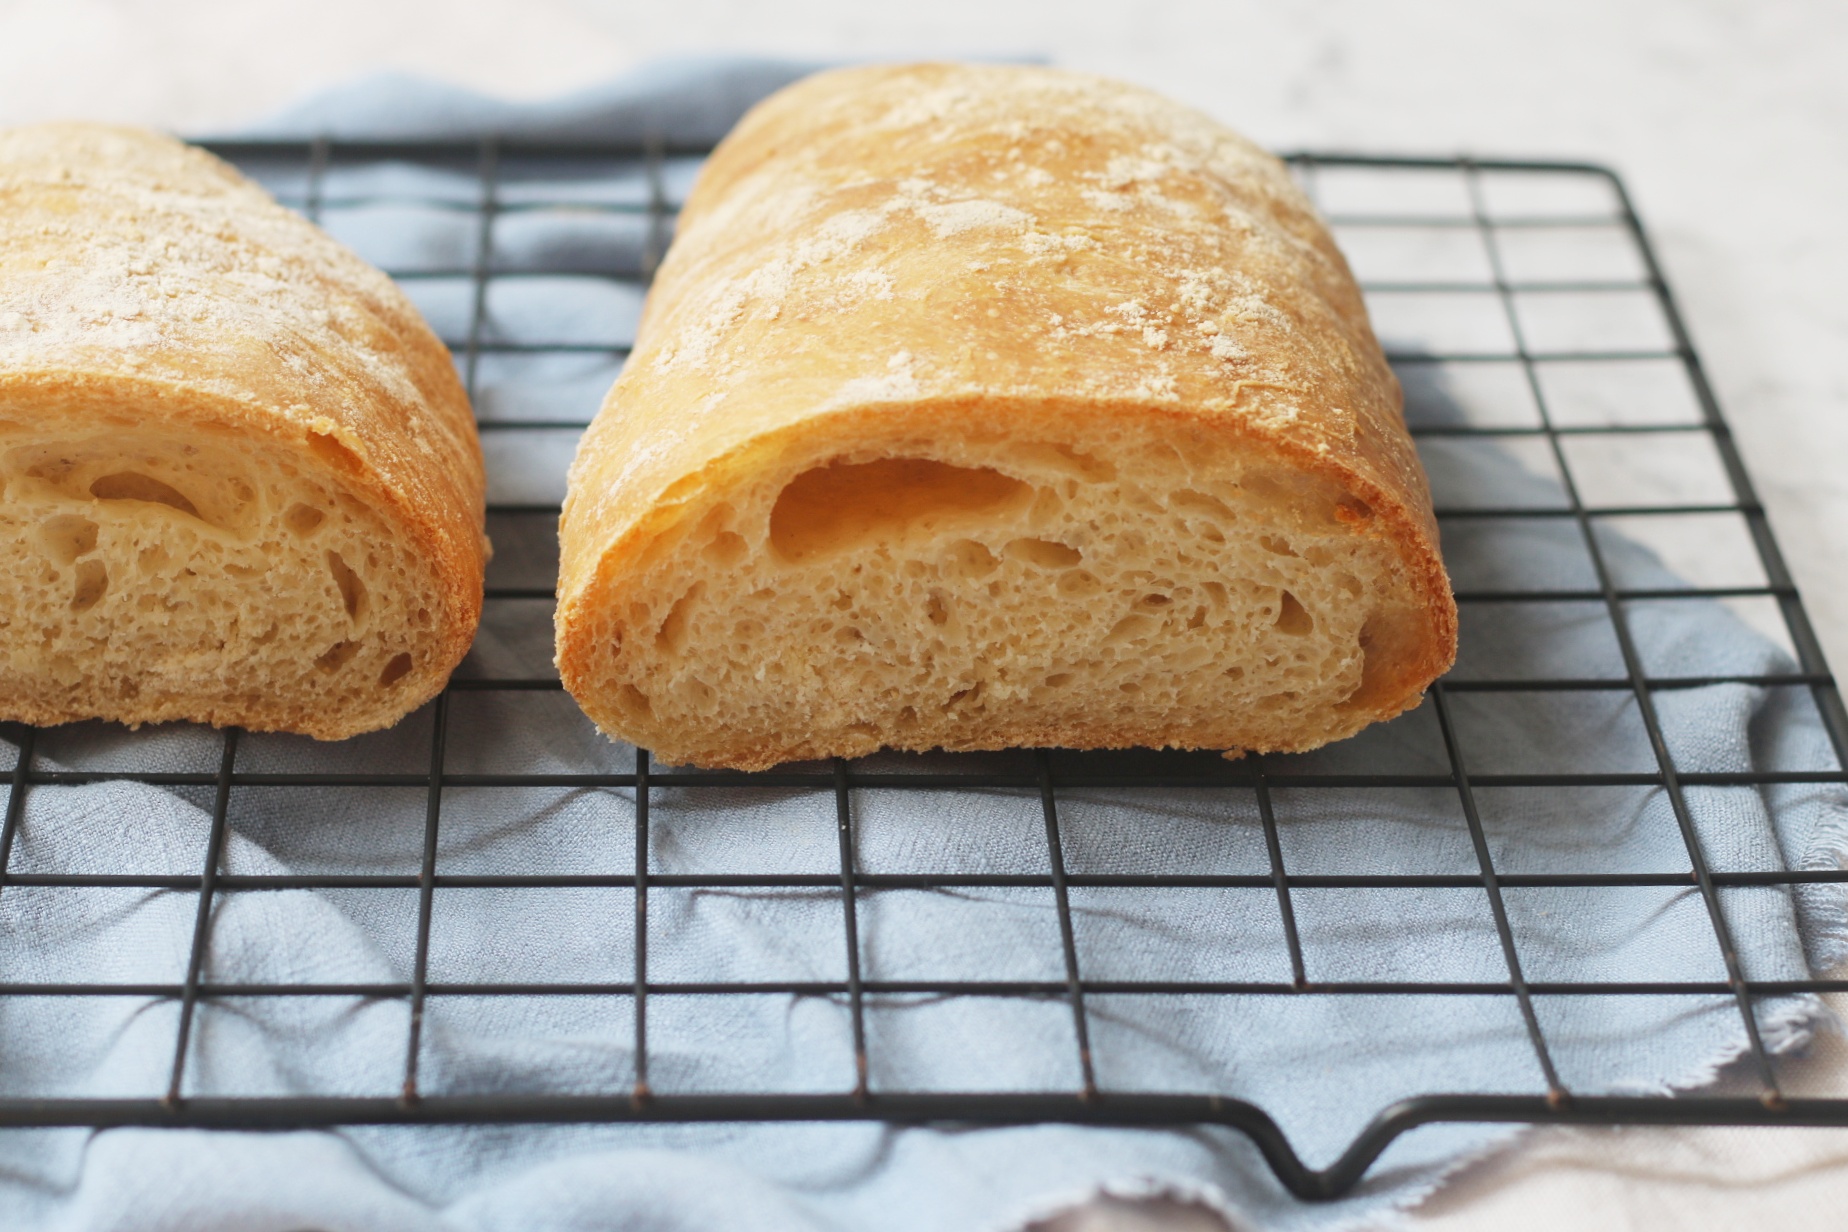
[(1477, 261)]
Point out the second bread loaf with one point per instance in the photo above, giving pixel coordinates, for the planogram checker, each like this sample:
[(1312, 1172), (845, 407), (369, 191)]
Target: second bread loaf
[(981, 406)]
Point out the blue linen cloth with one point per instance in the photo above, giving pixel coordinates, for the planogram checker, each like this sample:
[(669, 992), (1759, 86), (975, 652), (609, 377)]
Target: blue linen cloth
[(1322, 1065)]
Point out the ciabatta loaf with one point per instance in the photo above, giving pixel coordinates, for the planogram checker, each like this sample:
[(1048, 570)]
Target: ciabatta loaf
[(982, 406), (241, 479)]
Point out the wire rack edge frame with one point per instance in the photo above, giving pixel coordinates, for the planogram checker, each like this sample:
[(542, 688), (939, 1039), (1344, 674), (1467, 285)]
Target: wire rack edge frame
[(1088, 1106)]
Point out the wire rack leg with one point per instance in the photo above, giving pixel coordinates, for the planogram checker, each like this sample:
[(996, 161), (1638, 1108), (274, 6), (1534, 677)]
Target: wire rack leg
[(16, 801), (843, 813), (640, 1093), (426, 896), (1555, 1089), (202, 922), (1273, 846), (1074, 987)]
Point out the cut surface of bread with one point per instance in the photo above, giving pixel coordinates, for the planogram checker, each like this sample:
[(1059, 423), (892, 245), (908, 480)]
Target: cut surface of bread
[(984, 407), (1099, 581), (159, 576), (238, 478)]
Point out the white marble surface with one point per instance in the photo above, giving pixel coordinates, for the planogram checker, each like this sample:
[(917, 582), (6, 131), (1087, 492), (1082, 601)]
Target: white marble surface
[(1728, 119)]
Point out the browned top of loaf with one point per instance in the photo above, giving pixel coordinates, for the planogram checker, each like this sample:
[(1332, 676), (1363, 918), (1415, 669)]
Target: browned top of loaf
[(138, 269), (945, 234)]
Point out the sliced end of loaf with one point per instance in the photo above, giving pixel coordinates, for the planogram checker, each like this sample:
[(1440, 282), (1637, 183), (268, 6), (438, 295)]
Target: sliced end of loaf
[(229, 577), (976, 580)]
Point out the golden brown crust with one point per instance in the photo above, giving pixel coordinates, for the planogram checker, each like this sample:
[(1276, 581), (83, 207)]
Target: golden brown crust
[(137, 271), (1010, 239)]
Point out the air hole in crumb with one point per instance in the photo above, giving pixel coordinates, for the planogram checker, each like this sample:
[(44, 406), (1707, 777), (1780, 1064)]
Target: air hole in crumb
[(1043, 553), (1079, 583), (1292, 617), (672, 634), (1058, 680), (334, 452), (842, 506), (970, 559), (1352, 509), (1156, 600), (1128, 629), (971, 694), (1212, 506), (1277, 544), (396, 669), (1064, 458), (303, 520), (352, 586), (337, 656), (92, 581), (1388, 641), (727, 548), (635, 702), (133, 485), (68, 536), (937, 608)]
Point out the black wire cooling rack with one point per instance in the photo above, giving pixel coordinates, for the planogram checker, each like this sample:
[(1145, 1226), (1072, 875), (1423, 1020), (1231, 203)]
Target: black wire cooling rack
[(1489, 255)]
